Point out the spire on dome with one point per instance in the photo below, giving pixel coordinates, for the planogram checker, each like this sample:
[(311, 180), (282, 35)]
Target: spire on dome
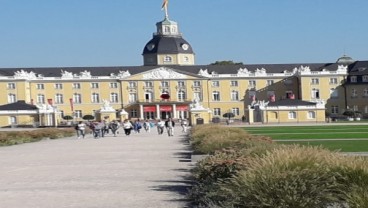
[(164, 6)]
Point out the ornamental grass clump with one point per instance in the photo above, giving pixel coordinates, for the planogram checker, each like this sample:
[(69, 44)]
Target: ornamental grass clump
[(289, 177), (214, 169), (207, 139), (19, 137)]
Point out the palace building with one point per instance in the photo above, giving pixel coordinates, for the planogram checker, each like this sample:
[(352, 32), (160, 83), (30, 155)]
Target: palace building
[(169, 84)]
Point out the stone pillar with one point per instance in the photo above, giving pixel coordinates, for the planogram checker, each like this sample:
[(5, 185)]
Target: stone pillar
[(158, 111), (174, 111), (141, 113)]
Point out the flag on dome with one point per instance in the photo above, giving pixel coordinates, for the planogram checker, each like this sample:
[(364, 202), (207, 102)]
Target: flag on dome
[(164, 4)]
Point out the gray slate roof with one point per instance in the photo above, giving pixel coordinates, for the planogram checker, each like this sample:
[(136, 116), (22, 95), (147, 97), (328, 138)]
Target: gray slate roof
[(167, 45), (290, 102), (20, 105), (219, 69)]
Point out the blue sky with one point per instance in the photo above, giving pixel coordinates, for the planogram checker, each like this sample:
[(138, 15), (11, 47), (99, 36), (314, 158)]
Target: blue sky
[(57, 33)]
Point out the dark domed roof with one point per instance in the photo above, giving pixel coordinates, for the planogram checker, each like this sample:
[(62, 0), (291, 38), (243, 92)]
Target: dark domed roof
[(345, 60), (167, 45)]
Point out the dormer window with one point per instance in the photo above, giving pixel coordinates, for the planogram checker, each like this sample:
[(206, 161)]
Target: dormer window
[(365, 78), (353, 79), (167, 59)]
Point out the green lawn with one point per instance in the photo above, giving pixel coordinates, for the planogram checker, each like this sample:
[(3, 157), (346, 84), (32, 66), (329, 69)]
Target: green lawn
[(318, 132), (343, 146)]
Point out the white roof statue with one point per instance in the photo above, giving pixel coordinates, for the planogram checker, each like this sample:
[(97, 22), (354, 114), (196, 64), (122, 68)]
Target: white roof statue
[(106, 106)]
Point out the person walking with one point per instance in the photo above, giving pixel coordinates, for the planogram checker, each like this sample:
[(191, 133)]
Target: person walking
[(114, 126), (184, 125), (81, 129), (147, 126), (137, 126), (127, 126), (160, 126), (170, 124)]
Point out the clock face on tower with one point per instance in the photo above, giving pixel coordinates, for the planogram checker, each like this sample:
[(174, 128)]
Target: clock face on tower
[(150, 46), (185, 46)]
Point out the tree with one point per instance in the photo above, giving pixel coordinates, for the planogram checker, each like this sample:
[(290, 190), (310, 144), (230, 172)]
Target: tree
[(227, 63), (349, 113), (88, 117), (67, 117)]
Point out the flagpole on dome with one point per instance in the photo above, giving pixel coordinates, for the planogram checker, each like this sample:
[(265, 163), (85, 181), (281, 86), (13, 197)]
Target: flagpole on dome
[(165, 7)]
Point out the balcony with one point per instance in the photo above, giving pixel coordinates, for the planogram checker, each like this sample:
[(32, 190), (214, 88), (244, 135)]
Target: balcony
[(160, 101)]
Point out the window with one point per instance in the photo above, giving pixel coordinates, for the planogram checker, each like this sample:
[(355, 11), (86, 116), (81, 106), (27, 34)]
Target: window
[(365, 78), (41, 98), (315, 93), (13, 120), (12, 98), (366, 109), (234, 95), (292, 115), (58, 86), (164, 84), (216, 96), (40, 86), (181, 95), (59, 99), (78, 114), (94, 85), (355, 108), (215, 83), (132, 84), (148, 84), (168, 59), (311, 115), (114, 98), (76, 86), (334, 109), (217, 112), (334, 93), (353, 79), (132, 97), (252, 83), (167, 29), (333, 80), (181, 83), (234, 83), (113, 85), (77, 98), (11, 86), (133, 113), (314, 81), (197, 83), (365, 92), (270, 82), (95, 98), (235, 111), (354, 93)]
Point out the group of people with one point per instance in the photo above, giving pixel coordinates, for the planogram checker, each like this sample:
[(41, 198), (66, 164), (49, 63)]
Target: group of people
[(100, 129)]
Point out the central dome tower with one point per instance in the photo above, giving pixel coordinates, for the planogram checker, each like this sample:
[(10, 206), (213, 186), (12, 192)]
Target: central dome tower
[(167, 47)]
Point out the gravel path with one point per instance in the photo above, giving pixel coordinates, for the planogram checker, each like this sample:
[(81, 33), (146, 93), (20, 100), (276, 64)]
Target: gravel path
[(141, 170)]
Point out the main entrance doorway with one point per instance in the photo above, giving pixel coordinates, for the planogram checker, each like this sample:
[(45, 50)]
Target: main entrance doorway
[(166, 114)]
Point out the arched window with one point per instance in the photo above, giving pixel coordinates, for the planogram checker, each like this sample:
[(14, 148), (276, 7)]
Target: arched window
[(41, 98), (181, 95), (114, 97), (216, 96), (59, 98), (234, 95), (77, 98), (95, 98), (292, 115), (12, 98), (311, 115)]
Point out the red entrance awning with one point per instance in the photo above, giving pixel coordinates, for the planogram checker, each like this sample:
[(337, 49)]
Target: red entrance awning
[(182, 108), (149, 108), (165, 108)]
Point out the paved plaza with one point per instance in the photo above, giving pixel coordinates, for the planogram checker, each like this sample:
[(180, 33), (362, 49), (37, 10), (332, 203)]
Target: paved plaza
[(137, 171)]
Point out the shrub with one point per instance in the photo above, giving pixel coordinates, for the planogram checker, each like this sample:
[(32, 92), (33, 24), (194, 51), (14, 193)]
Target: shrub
[(207, 139), (291, 176), (19, 137), (220, 167)]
